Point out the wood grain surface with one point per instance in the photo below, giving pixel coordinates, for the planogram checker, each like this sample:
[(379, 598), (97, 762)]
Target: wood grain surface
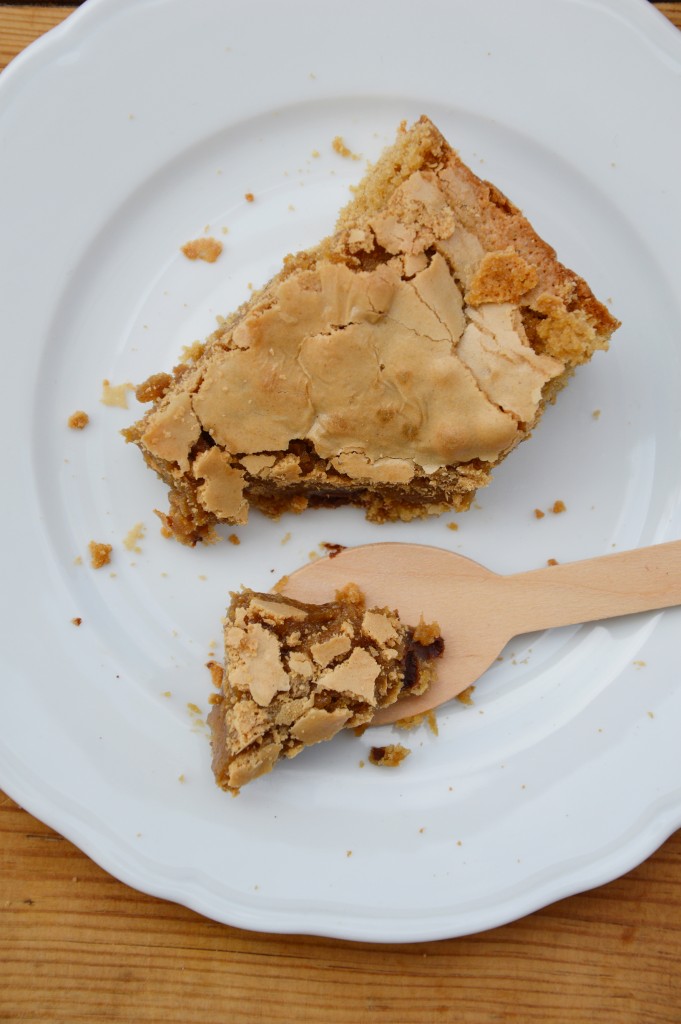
[(79, 946)]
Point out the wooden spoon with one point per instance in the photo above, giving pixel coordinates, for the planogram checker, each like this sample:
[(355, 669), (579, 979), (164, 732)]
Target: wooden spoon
[(480, 611)]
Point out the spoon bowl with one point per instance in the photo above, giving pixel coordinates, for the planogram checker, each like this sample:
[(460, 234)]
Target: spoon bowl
[(479, 611)]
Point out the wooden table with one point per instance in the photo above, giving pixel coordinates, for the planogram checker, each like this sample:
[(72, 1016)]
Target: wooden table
[(77, 945)]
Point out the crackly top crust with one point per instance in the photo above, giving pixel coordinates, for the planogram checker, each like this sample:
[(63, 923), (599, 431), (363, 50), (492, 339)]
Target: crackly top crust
[(424, 334), (296, 674)]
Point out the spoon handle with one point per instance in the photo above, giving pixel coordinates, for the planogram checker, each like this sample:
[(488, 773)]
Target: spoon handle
[(597, 588)]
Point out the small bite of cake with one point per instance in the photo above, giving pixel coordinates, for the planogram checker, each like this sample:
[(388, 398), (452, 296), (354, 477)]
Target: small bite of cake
[(296, 674)]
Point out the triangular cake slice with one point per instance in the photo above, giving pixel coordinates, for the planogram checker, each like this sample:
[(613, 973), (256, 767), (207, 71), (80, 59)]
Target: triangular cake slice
[(296, 674), (392, 367)]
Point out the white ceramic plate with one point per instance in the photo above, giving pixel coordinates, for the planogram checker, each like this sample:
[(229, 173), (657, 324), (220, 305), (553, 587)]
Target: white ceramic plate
[(136, 126)]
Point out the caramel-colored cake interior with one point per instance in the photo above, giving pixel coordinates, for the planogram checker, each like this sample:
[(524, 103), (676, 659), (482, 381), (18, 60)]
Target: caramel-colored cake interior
[(392, 367), (296, 674)]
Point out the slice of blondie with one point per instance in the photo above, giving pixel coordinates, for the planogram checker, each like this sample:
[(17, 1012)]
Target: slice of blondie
[(296, 674), (392, 367)]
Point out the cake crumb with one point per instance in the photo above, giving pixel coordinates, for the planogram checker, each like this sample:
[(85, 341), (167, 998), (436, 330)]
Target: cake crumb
[(427, 633), (413, 721), (216, 673), (639, 664), (249, 197), (78, 420), (77, 621), (596, 414), (389, 756), (558, 507), (332, 549), (552, 561), (233, 539), (286, 538), (339, 146), (348, 853), (315, 153), (78, 560), (181, 778), (538, 514), (132, 538), (116, 395), (452, 526), (153, 388), (100, 554), (206, 249), (466, 696), (192, 353), (166, 693)]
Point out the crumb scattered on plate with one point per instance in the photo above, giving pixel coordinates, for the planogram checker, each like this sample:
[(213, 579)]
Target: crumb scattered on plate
[(206, 249), (133, 537), (558, 507), (389, 756), (538, 514), (116, 394), (466, 696), (552, 561), (78, 420), (339, 146), (249, 197), (332, 549), (77, 621), (413, 721), (216, 673), (233, 539), (100, 554)]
